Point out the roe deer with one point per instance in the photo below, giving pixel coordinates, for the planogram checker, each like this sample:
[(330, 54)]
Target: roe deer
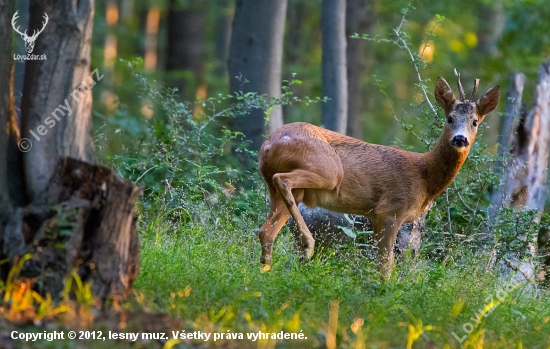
[(301, 162)]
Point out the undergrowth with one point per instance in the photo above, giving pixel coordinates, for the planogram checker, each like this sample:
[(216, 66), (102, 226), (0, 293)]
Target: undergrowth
[(209, 275)]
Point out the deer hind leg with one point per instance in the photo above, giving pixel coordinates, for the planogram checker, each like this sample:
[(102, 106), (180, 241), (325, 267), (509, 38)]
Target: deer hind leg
[(385, 235), (302, 179), (278, 215)]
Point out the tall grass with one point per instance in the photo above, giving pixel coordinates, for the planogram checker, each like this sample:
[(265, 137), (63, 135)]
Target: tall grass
[(196, 271)]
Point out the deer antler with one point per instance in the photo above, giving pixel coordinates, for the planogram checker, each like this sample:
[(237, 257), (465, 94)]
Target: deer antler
[(476, 84), (13, 24), (460, 88), (34, 33)]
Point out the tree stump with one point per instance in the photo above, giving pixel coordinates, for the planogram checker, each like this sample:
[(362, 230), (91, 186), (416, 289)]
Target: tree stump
[(512, 114), (525, 174), (525, 183), (84, 218)]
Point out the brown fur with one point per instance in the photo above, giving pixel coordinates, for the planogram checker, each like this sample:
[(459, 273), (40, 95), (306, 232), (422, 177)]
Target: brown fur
[(301, 162)]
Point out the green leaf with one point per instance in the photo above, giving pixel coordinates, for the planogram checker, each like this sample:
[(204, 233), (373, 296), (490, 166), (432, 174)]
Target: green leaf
[(348, 232)]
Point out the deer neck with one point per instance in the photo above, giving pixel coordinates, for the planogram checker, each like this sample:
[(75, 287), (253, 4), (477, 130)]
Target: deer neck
[(441, 165)]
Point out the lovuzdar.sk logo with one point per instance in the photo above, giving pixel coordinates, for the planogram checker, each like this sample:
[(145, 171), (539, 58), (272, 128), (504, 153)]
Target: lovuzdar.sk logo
[(29, 40)]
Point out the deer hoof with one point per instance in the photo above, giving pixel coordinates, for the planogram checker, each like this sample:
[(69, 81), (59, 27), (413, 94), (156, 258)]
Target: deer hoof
[(265, 260), (304, 256), (308, 246), (307, 251)]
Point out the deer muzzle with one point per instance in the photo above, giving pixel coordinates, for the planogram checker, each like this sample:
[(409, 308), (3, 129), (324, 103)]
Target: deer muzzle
[(459, 141)]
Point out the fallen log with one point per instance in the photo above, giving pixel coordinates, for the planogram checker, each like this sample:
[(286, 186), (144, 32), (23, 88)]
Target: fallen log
[(331, 228)]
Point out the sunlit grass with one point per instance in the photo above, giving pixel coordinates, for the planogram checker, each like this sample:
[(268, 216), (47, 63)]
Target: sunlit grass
[(213, 279), (21, 304)]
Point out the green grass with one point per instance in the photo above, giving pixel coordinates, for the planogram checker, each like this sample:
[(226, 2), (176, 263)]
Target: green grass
[(209, 275)]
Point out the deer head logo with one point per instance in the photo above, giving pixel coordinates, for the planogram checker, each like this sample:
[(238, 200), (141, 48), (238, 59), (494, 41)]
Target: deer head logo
[(29, 40)]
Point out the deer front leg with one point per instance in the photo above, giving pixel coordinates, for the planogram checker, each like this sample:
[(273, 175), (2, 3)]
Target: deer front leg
[(385, 234), (278, 215)]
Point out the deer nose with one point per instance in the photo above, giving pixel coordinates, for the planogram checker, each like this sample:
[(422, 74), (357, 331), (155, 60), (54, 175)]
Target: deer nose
[(460, 141)]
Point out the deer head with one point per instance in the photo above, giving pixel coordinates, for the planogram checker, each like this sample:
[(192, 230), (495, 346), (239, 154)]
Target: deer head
[(29, 40), (464, 115)]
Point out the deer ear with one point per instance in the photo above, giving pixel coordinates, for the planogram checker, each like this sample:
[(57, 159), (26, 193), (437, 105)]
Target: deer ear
[(444, 95), (488, 102)]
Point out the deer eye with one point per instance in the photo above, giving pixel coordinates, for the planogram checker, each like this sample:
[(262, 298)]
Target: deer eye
[(450, 120), (474, 123)]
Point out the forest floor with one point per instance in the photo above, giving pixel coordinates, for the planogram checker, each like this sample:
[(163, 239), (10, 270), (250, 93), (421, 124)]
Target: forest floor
[(206, 280), (212, 279)]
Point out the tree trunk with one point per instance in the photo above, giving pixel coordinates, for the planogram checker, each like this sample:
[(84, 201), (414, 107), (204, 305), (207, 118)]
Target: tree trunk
[(186, 46), (8, 123), (49, 86), (359, 19), (492, 18), (256, 53), (525, 183), (301, 37), (509, 123), (525, 174), (7, 108), (334, 112), (224, 10), (77, 214), (22, 7)]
